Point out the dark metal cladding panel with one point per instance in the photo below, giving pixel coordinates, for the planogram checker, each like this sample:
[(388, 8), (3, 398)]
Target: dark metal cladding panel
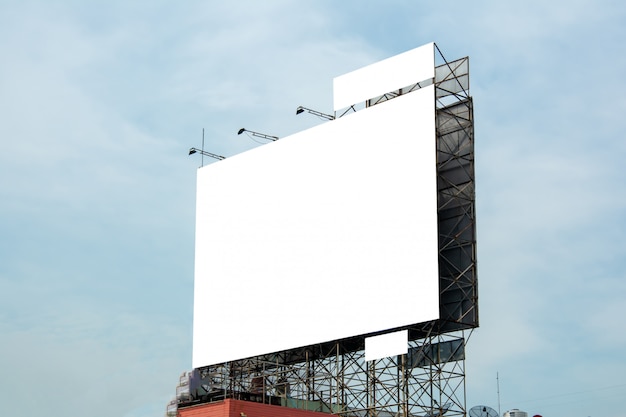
[(458, 285), (425, 356)]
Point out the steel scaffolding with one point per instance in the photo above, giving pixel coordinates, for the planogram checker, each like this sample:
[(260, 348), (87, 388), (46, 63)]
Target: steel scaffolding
[(428, 381)]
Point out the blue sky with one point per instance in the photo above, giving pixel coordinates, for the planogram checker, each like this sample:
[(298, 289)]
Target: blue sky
[(100, 102)]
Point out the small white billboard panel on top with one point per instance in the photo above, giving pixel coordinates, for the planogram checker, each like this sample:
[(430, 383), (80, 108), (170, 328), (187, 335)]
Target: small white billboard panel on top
[(384, 76)]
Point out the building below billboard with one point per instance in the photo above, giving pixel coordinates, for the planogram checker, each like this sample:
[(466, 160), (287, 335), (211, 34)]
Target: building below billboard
[(237, 408)]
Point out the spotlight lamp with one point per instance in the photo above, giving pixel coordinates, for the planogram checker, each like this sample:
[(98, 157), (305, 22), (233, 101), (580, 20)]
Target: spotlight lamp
[(302, 109), (257, 134), (205, 153)]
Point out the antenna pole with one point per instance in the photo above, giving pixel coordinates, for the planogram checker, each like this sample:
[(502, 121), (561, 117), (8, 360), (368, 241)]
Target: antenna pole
[(498, 388), (202, 147)]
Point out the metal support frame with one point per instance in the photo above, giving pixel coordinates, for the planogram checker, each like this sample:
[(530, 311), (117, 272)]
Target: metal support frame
[(428, 381)]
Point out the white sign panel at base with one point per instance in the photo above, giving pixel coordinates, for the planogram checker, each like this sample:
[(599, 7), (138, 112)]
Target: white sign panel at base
[(386, 345)]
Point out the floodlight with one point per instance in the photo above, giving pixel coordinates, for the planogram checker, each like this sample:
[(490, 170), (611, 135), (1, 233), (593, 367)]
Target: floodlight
[(302, 109), (205, 153), (257, 134)]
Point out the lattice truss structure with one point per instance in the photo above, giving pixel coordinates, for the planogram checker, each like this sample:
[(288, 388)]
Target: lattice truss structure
[(428, 381)]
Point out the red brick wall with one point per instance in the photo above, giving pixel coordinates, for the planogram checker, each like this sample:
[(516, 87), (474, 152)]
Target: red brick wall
[(234, 408), (216, 409)]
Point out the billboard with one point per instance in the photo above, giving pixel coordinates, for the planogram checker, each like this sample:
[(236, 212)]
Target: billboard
[(384, 76), (326, 234)]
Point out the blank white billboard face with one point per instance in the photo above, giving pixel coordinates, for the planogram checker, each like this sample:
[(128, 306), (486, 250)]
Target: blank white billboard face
[(322, 235), (384, 76)]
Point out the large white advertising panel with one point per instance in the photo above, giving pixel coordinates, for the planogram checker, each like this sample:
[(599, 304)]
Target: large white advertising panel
[(384, 76), (322, 235)]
